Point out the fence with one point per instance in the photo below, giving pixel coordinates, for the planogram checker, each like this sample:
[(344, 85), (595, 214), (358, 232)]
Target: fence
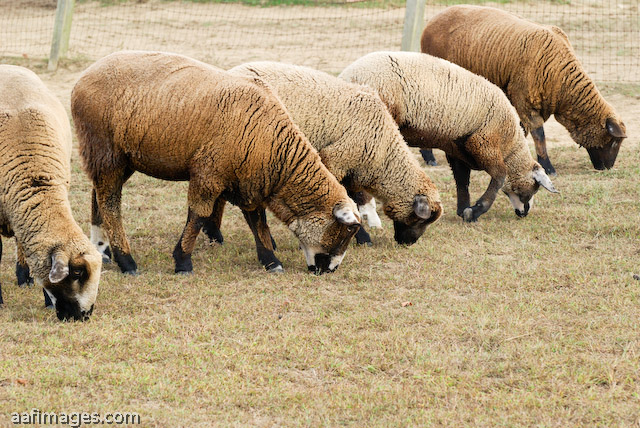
[(325, 34)]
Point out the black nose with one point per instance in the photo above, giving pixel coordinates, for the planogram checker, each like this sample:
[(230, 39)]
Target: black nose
[(67, 309), (603, 157), (322, 262), (406, 235), (525, 212)]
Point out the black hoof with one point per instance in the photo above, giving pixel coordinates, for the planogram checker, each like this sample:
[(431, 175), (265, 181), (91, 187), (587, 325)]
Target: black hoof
[(548, 168), (469, 215), (125, 262), (23, 275), (428, 157), (214, 235), (275, 269), (184, 272)]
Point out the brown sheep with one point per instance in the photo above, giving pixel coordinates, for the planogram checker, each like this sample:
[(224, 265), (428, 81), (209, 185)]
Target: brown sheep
[(176, 118), (440, 105), (35, 146), (537, 68), (357, 140)]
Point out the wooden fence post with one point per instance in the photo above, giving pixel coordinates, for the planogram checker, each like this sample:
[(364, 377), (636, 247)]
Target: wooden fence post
[(61, 32), (413, 25)]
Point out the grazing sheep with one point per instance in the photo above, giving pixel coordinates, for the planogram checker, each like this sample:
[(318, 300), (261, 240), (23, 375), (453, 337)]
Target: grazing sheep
[(35, 146), (440, 105), (359, 143), (537, 68), (175, 118)]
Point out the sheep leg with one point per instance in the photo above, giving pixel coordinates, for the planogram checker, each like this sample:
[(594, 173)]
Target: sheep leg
[(362, 236), (490, 160), (541, 150), (211, 224), (184, 247), (429, 159), (257, 221), (461, 175), (483, 204), (108, 197), (97, 234), (22, 268)]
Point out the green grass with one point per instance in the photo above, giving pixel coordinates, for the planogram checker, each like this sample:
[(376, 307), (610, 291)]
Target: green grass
[(512, 322)]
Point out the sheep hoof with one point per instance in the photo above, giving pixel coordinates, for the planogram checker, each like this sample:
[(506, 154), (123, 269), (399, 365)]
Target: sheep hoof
[(131, 272), (184, 272), (365, 244), (467, 215), (276, 269), (432, 163), (105, 259), (548, 167), (25, 282)]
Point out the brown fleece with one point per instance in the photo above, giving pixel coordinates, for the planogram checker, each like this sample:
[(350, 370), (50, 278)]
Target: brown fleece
[(533, 64), (176, 118), (440, 105), (354, 134), (35, 145)]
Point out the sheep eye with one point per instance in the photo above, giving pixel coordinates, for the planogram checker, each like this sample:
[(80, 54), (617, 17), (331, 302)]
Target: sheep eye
[(76, 273)]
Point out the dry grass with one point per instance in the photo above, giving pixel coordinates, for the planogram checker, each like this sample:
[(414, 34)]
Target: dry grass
[(512, 322)]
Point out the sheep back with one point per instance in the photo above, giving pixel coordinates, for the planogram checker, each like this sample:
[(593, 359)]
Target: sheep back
[(352, 130), (127, 105), (436, 102), (534, 64)]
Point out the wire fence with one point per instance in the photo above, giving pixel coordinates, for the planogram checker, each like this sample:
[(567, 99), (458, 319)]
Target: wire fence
[(326, 35)]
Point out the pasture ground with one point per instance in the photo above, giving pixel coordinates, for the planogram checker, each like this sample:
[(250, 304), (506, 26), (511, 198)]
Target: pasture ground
[(506, 322)]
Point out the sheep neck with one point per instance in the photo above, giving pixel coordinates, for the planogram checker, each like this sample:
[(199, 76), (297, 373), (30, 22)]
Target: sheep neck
[(308, 188), (579, 100), (41, 219)]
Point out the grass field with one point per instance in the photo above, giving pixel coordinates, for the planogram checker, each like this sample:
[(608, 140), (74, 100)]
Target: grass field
[(507, 322)]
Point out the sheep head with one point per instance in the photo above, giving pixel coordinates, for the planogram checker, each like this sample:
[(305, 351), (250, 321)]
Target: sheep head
[(72, 284), (324, 235), (520, 189), (602, 139)]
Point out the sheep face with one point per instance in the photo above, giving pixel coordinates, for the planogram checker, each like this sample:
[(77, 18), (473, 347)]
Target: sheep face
[(602, 140), (410, 221), (324, 240), (520, 190), (72, 285)]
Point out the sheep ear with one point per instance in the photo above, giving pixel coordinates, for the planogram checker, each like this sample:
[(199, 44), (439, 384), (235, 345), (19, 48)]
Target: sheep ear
[(345, 215), (614, 128), (59, 267), (421, 207), (543, 179)]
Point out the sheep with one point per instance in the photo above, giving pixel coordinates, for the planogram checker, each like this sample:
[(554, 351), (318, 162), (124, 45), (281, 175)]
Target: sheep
[(35, 145), (359, 143), (438, 104), (537, 69), (176, 118)]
